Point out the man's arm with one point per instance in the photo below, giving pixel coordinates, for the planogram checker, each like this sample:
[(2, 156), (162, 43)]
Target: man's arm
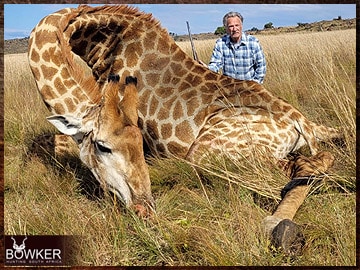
[(216, 60), (260, 70)]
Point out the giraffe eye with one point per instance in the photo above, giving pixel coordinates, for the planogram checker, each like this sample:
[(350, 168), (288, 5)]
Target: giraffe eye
[(100, 146)]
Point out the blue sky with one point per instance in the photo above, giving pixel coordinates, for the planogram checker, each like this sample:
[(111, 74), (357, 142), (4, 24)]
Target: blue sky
[(203, 18)]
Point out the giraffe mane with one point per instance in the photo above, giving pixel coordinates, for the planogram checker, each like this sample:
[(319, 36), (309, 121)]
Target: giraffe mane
[(120, 10)]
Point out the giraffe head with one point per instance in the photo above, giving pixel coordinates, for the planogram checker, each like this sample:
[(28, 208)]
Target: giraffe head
[(111, 144)]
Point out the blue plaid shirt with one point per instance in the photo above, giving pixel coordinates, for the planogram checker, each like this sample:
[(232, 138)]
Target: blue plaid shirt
[(244, 60)]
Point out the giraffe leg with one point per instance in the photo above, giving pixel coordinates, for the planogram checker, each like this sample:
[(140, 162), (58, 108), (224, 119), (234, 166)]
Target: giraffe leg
[(283, 231)]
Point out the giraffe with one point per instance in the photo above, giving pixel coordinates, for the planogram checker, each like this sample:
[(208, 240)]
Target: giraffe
[(185, 109)]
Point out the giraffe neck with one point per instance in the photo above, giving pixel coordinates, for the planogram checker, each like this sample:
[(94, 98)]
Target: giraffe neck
[(121, 40), (60, 79)]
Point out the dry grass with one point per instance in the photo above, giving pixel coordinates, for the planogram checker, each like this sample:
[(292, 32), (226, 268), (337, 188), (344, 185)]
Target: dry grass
[(207, 219)]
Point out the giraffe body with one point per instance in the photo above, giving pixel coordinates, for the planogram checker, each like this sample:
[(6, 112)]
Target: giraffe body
[(184, 108)]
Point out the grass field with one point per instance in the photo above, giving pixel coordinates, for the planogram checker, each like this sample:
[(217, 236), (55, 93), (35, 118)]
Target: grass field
[(214, 219)]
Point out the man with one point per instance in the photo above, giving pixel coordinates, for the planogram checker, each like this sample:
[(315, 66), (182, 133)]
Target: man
[(238, 55)]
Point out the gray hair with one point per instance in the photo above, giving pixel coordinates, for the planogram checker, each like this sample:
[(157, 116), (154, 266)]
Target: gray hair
[(232, 14)]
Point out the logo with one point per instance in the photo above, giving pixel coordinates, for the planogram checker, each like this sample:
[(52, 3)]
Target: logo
[(45, 250)]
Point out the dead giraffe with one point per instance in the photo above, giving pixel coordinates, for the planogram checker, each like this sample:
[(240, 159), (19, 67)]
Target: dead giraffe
[(105, 129), (183, 107)]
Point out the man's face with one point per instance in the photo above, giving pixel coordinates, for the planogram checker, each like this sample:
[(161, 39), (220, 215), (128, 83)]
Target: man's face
[(234, 28)]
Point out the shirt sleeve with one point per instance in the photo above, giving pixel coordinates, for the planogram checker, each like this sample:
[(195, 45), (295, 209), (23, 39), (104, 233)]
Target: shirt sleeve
[(216, 60), (260, 64)]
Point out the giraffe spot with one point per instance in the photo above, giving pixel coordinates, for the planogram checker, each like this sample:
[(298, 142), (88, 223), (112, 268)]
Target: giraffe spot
[(54, 19), (132, 54), (184, 86), (152, 79), (278, 116), (193, 79), (178, 111), (36, 73), (60, 87), (245, 100), (163, 113), (177, 149), (56, 56), (153, 105), (189, 78), (275, 106), (35, 57), (149, 41), (210, 76), (255, 99), (208, 88), (166, 130), (175, 67), (163, 44), (59, 108), (179, 56), (47, 93), (65, 73), (70, 105), (154, 62), (170, 102), (166, 77), (44, 37), (197, 80), (287, 107), (69, 83), (78, 93), (144, 99), (189, 94), (175, 80), (189, 64), (184, 132), (151, 129), (199, 118), (118, 65), (192, 105), (48, 72), (205, 98), (197, 69), (295, 115), (164, 92), (266, 97), (271, 129)]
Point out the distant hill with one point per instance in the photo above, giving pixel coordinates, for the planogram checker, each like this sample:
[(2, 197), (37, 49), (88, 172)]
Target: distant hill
[(335, 24), (14, 46)]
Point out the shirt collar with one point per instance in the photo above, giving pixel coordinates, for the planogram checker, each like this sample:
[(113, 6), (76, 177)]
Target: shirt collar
[(243, 40)]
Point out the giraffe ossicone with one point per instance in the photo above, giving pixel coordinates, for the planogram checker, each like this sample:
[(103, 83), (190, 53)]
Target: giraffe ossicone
[(184, 108)]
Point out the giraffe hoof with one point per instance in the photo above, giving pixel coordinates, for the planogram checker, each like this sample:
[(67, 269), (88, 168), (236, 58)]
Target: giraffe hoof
[(287, 236)]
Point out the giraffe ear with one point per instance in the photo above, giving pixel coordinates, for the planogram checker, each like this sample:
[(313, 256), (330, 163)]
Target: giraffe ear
[(66, 124)]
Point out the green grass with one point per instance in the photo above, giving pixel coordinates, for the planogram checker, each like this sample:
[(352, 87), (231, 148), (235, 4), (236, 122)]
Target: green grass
[(208, 216)]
